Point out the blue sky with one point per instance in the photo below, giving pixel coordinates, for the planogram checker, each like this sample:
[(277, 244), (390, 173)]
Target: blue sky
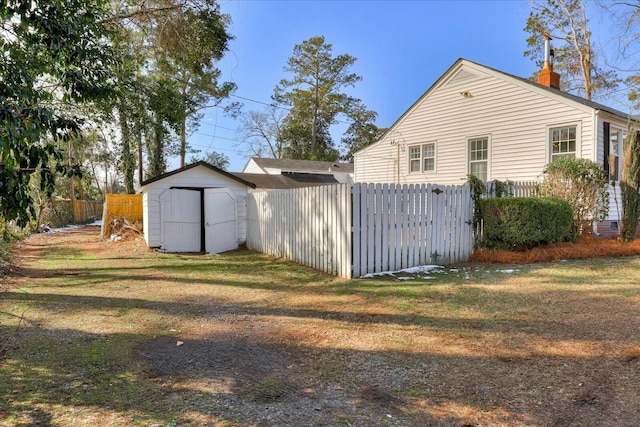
[(401, 47)]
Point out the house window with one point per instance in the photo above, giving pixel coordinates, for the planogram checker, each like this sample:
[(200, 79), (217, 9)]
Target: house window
[(615, 151), (479, 158), (414, 159), (563, 142), (422, 158)]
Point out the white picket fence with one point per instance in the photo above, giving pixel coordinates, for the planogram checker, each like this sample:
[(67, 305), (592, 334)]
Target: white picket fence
[(401, 226), (353, 230), (309, 225), (512, 189)]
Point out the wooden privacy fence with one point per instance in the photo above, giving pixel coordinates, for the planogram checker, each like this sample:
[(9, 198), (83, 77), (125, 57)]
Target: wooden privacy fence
[(354, 230), (82, 209), (127, 206)]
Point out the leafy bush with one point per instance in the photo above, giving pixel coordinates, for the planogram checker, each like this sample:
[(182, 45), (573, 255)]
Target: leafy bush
[(583, 184), (630, 187), (481, 190), (524, 222)]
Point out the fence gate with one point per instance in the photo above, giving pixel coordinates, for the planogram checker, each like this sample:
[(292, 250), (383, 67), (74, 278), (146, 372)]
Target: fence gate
[(402, 226)]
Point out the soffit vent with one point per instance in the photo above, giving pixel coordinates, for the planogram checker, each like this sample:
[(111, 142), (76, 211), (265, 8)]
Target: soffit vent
[(460, 77)]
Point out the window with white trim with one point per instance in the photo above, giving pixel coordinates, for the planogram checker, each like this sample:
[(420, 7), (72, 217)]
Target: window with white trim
[(479, 158), (422, 158), (563, 142), (616, 139)]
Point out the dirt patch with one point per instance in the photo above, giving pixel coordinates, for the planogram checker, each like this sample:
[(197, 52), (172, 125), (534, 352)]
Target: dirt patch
[(239, 357)]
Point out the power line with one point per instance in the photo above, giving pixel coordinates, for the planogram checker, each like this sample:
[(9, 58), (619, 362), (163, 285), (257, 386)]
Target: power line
[(276, 105), (219, 127), (219, 137), (271, 104)]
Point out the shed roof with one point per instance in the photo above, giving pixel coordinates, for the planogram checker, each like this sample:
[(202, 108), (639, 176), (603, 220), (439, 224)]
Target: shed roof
[(194, 165)]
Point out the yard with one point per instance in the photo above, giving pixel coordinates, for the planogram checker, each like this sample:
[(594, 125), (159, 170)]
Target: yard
[(112, 334)]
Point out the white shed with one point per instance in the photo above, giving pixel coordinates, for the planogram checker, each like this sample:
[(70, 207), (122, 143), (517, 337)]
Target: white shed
[(197, 208)]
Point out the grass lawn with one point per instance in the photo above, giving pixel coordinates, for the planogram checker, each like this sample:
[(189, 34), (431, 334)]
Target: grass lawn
[(94, 333)]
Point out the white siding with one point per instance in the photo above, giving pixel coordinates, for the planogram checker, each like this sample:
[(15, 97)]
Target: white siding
[(514, 116), (198, 177), (145, 218), (252, 167)]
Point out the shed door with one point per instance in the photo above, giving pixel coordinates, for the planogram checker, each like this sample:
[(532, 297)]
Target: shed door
[(221, 220), (181, 221)]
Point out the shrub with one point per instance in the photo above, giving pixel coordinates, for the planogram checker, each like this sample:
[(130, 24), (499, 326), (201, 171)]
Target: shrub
[(519, 223), (630, 187), (583, 184)]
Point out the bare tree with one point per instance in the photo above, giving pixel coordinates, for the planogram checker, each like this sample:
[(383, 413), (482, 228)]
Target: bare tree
[(261, 132), (575, 59)]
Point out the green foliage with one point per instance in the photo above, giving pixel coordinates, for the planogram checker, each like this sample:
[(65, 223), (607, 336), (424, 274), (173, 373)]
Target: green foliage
[(168, 76), (219, 160), (583, 184), (51, 53), (630, 187), (481, 190), (361, 132), (478, 187), (315, 95), (524, 222), (189, 42), (501, 188), (478, 191)]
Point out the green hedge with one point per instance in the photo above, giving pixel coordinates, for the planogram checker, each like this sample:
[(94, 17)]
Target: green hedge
[(518, 223)]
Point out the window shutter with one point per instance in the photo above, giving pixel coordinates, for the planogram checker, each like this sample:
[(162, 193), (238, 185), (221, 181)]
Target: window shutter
[(606, 140)]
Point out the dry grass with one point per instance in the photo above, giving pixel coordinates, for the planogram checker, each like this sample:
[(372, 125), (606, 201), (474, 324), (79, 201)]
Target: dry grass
[(265, 342), (587, 247)]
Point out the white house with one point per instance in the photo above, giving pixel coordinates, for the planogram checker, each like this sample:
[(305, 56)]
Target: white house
[(196, 208), (475, 120)]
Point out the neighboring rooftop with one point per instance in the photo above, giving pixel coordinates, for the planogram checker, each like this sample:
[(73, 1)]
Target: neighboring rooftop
[(301, 166), (286, 180)]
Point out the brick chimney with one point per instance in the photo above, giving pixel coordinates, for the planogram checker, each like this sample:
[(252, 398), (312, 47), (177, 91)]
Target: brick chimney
[(547, 76)]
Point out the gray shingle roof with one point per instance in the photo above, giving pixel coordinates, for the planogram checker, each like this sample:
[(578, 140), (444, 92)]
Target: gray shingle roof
[(286, 181)]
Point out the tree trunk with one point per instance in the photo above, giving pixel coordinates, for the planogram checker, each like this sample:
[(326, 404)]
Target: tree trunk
[(183, 140), (316, 102), (127, 160), (139, 142), (72, 193), (156, 151)]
